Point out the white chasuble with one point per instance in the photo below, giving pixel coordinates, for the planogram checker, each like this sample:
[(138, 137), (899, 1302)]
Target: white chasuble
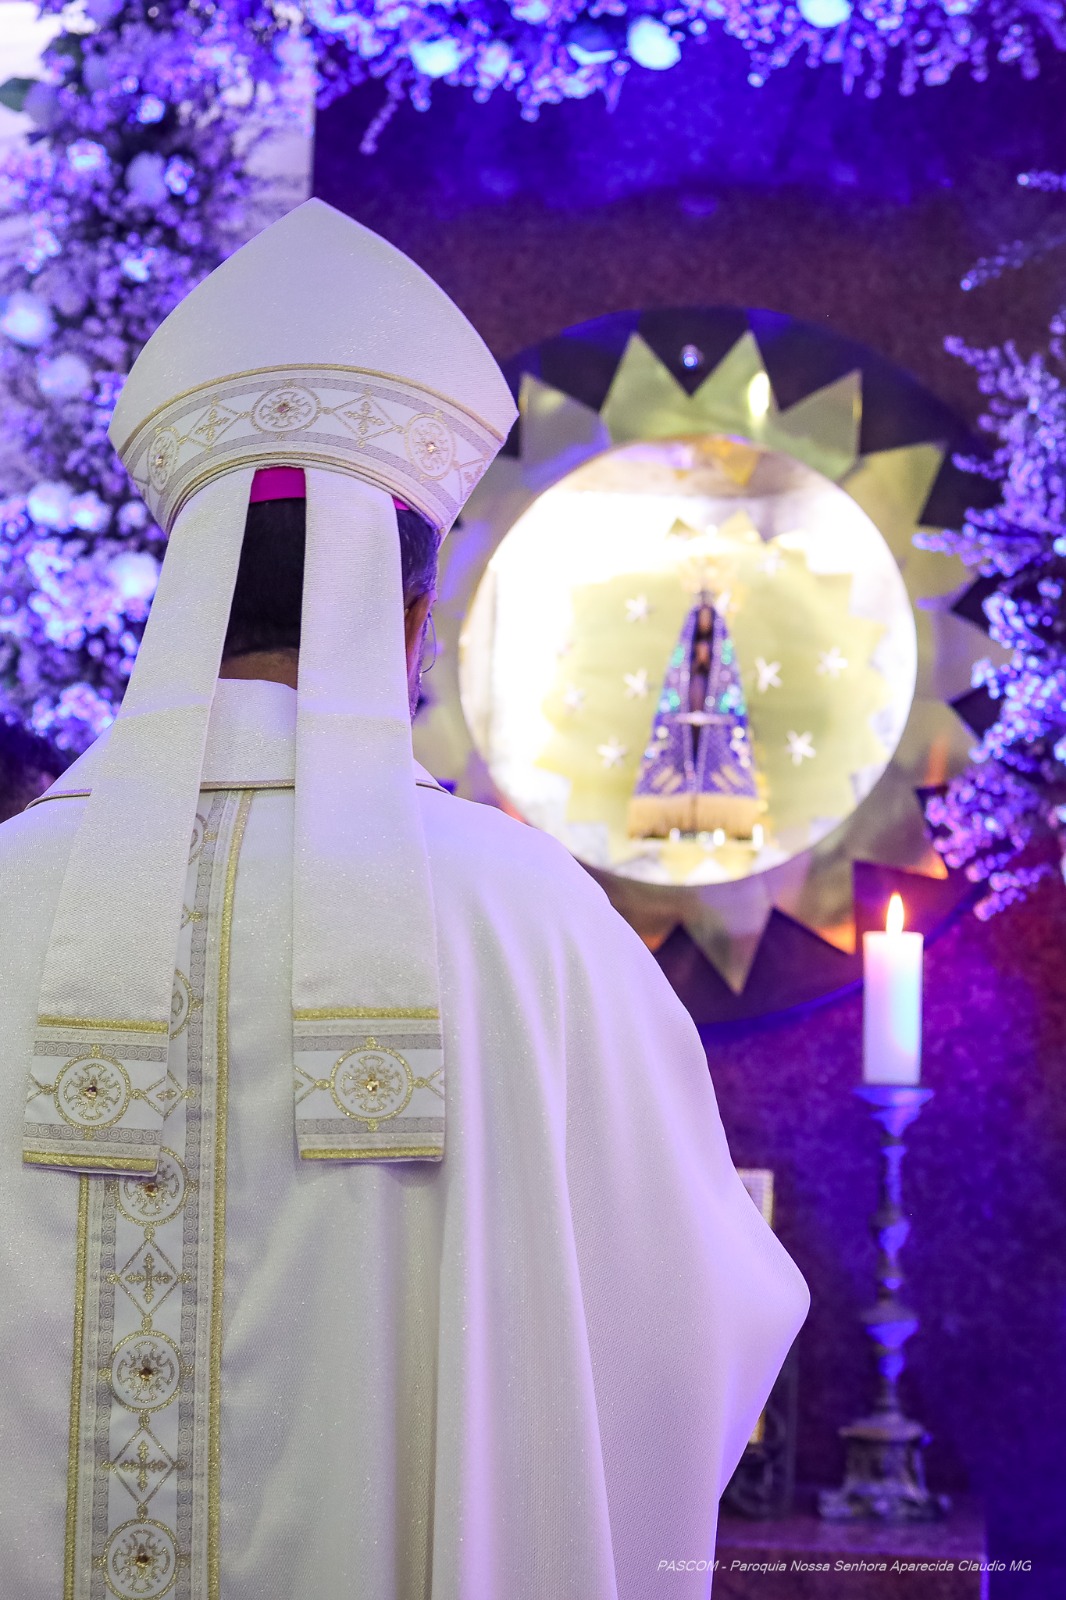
[(526, 1370)]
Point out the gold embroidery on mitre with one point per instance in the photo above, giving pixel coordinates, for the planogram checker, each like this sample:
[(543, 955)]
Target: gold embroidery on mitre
[(388, 431)]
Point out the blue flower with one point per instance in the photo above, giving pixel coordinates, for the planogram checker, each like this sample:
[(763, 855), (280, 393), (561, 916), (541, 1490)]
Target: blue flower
[(151, 109), (86, 156)]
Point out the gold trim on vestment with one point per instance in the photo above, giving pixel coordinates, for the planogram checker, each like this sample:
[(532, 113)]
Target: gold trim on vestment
[(267, 783), (103, 1022), (326, 1014), (73, 1449), (42, 1158), (168, 1295), (413, 1153), (214, 1447)]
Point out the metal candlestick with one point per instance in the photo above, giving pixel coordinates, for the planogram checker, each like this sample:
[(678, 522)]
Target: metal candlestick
[(884, 1474)]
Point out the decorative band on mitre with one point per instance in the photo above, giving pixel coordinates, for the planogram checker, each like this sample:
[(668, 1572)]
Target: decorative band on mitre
[(387, 431)]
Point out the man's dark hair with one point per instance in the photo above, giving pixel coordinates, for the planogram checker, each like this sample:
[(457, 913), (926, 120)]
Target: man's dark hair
[(265, 614)]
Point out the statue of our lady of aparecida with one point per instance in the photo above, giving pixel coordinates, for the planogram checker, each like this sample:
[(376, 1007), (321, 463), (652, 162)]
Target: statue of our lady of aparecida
[(697, 774)]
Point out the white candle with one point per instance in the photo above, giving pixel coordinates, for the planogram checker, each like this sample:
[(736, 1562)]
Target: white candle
[(892, 1009)]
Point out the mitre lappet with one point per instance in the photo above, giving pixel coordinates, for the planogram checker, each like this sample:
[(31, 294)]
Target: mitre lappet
[(319, 346)]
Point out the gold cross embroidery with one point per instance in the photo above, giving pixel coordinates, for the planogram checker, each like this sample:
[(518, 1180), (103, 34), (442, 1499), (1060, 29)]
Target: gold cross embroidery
[(142, 1468), (150, 1277)]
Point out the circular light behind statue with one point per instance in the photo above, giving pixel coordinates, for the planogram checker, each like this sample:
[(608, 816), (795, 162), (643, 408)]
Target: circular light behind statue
[(571, 694)]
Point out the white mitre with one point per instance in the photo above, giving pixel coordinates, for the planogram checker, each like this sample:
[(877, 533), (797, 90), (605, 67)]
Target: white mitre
[(317, 345)]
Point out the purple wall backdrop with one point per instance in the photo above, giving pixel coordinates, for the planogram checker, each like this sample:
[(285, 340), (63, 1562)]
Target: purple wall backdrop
[(861, 216)]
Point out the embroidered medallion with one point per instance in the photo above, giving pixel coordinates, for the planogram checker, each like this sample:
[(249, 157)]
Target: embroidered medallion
[(372, 1084), (387, 1086)]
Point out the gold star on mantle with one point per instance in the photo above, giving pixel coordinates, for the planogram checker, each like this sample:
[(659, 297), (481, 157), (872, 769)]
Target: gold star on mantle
[(800, 747), (769, 674), (612, 754), (831, 663)]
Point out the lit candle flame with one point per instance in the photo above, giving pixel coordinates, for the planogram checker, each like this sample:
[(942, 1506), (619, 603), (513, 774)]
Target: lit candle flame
[(894, 919)]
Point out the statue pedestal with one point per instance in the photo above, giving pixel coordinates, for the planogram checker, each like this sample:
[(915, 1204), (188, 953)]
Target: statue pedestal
[(809, 1555)]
